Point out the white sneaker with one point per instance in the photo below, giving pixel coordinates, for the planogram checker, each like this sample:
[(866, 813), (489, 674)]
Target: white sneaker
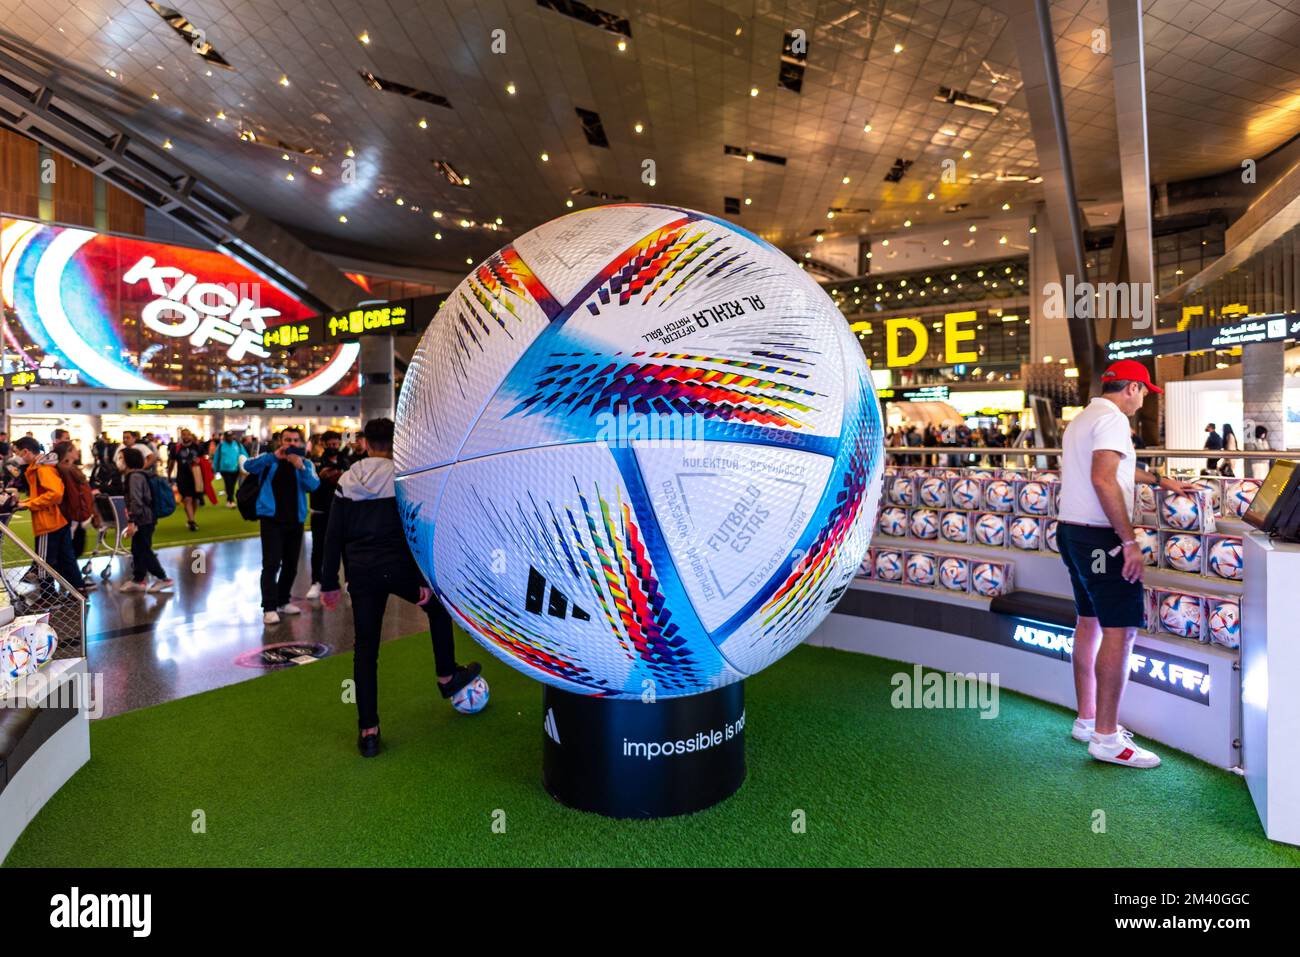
[(1118, 748), (314, 591), (162, 585), (270, 618), (132, 586), (231, 505), (290, 610)]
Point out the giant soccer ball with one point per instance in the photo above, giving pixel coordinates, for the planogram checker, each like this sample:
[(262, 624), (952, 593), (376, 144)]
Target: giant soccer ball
[(638, 447)]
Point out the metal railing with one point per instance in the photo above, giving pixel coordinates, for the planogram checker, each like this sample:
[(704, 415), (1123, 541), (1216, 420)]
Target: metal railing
[(32, 587), (1031, 452)]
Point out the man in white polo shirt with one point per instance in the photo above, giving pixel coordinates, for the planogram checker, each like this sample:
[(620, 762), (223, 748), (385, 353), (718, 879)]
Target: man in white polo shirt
[(1095, 536)]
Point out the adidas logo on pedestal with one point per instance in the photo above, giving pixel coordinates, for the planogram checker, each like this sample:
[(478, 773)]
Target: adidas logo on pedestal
[(549, 727), (557, 603)]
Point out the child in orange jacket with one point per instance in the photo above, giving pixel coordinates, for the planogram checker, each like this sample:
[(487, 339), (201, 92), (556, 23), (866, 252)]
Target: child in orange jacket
[(45, 495)]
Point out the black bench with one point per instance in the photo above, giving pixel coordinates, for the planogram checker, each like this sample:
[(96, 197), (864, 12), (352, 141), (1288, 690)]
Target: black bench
[(22, 732)]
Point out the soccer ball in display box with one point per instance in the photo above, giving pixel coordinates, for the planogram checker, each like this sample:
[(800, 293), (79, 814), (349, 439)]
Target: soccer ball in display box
[(954, 526), (893, 521), (889, 565), (1225, 557), (990, 579), (999, 495), (1181, 614), (902, 490), (26, 644), (1145, 505), (1149, 539), (1237, 496), (1035, 497), (1025, 532), (933, 492), (924, 524), (868, 567), (1223, 621), (919, 569), (1049, 536), (1182, 551), (967, 493), (990, 529), (954, 573), (1186, 511), (1214, 486)]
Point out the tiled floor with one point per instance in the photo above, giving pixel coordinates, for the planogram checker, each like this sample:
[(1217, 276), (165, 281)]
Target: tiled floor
[(154, 648)]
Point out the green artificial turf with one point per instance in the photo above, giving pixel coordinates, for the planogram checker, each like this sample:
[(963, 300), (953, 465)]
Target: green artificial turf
[(271, 765), (216, 523)]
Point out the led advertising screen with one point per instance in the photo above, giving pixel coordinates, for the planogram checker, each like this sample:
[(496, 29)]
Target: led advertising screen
[(90, 309)]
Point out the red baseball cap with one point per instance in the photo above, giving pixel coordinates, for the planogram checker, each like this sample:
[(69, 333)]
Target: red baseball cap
[(1130, 370)]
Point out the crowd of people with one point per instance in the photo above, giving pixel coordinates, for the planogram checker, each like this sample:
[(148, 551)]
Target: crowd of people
[(950, 436)]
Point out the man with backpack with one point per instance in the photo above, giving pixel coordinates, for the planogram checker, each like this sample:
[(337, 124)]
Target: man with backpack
[(140, 502), (51, 528)]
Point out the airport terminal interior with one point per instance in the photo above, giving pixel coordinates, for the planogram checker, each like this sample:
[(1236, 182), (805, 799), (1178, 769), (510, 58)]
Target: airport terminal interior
[(711, 433)]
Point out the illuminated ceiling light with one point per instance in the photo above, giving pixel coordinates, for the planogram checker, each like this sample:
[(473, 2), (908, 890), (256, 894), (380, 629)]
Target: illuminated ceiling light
[(221, 114), (343, 219), (546, 157), (820, 238), (465, 180), (423, 124), (510, 88), (884, 242), (1002, 240), (248, 136), (437, 214), (284, 79), (753, 91), (952, 277), (284, 156), (468, 261), (948, 132), (947, 242), (880, 285), (364, 37), (830, 214), (1007, 270), (499, 222), (638, 128), (112, 73), (1032, 230), (289, 177), (867, 128), (154, 96), (350, 153), (1178, 272), (902, 282), (927, 280), (929, 195), (907, 223), (1005, 207), (979, 274), (1071, 373), (749, 157), (167, 144), (569, 203), (464, 224), (622, 45), (316, 171), (973, 229), (965, 155), (898, 48), (748, 201), (399, 201), (437, 235), (807, 255)]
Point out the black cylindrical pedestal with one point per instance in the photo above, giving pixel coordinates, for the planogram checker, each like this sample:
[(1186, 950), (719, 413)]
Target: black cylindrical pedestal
[(632, 759)]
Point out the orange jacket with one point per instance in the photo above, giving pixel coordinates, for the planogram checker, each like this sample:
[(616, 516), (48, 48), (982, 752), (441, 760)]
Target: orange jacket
[(45, 495)]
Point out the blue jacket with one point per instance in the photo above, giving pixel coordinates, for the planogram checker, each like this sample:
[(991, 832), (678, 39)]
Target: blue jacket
[(227, 456), (263, 467)]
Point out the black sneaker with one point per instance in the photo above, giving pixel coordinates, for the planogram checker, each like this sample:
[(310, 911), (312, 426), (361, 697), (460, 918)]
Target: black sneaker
[(463, 675), (368, 744), (193, 526)]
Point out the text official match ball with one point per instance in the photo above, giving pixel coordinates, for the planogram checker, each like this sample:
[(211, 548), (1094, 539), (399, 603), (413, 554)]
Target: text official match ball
[(966, 493), (638, 444), (1181, 511), (1225, 623), (955, 527), (1026, 533), (1183, 552), (991, 529), (920, 569), (889, 566), (1226, 559), (998, 496), (1035, 498), (954, 573), (1148, 540), (1181, 615), (893, 521), (934, 492), (925, 523)]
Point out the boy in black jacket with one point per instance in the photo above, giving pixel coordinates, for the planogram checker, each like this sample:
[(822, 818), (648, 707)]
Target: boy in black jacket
[(365, 531)]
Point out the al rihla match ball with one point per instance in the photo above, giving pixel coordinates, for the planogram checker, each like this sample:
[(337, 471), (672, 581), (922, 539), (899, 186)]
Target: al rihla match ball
[(966, 493), (925, 523), (991, 529), (1181, 615), (934, 492), (920, 569), (998, 496), (889, 566), (893, 521), (637, 444), (1238, 496), (1049, 536), (1035, 498), (1183, 552), (1026, 533), (955, 527), (902, 491), (988, 579), (472, 698), (39, 635), (1225, 623), (1181, 511), (954, 573), (1148, 540), (16, 658), (1226, 559)]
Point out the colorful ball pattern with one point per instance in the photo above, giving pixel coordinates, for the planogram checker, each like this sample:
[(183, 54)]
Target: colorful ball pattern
[(954, 573), (920, 569), (999, 496), (934, 492), (966, 493), (893, 521), (1225, 623), (1226, 559), (1216, 493), (925, 523), (1049, 536), (955, 527), (991, 529), (1026, 533), (1183, 552), (1181, 615), (1238, 495), (902, 490), (472, 698), (1149, 539), (1035, 498), (988, 579), (1181, 511), (16, 658), (889, 566), (867, 568)]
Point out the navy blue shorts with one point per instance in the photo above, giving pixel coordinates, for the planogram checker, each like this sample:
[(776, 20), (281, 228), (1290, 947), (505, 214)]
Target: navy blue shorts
[(1097, 577)]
